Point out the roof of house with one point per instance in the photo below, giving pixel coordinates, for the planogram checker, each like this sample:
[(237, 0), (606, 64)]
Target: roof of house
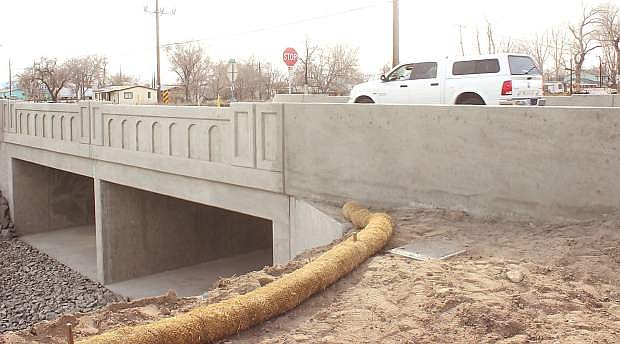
[(120, 88), (170, 87), (14, 89), (586, 78)]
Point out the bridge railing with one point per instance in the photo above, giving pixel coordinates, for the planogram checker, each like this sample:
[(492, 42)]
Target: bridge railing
[(241, 144)]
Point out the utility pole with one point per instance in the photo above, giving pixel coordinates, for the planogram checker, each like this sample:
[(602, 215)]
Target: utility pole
[(260, 83), (600, 72), (395, 34), (157, 13), (10, 81)]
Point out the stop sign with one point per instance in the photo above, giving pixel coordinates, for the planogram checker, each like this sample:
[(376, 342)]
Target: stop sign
[(290, 57)]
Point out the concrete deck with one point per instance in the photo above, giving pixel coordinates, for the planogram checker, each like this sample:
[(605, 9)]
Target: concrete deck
[(193, 280), (75, 247)]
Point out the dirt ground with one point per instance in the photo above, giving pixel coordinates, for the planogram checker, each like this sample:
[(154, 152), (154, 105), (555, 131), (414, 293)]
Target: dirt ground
[(517, 283)]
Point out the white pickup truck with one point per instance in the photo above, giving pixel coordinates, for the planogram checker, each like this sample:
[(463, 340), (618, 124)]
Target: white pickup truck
[(498, 79)]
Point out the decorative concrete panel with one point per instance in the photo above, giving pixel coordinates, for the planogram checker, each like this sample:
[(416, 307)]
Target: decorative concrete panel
[(231, 145), (244, 135), (157, 143), (96, 125), (269, 136), (84, 123), (216, 144)]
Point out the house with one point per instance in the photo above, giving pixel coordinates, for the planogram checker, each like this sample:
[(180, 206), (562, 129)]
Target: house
[(67, 93), (127, 94), (588, 80), (16, 93)]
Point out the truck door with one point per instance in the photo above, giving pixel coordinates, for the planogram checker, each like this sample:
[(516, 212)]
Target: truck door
[(395, 88), (424, 87)]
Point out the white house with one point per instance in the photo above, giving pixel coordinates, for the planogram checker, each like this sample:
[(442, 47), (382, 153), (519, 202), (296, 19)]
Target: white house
[(129, 94)]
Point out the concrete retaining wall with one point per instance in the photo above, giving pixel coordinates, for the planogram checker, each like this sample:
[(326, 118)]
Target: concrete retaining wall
[(313, 225), (540, 162), (584, 100)]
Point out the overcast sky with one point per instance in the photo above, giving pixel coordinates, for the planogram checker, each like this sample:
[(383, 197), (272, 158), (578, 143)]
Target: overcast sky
[(120, 30)]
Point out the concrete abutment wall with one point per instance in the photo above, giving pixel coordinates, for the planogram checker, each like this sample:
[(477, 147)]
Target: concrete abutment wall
[(549, 163), (145, 233), (46, 199)]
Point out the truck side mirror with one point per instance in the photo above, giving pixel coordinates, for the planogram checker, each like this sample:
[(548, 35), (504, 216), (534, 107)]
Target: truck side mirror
[(383, 78)]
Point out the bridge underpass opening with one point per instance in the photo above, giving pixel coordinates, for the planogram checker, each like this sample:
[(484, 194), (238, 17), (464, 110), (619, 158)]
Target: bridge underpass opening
[(150, 242), (54, 211)]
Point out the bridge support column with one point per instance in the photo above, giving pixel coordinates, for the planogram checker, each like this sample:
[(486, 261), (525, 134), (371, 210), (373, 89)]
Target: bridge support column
[(281, 243)]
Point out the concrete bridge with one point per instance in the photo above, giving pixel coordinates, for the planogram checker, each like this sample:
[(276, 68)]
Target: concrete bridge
[(163, 187)]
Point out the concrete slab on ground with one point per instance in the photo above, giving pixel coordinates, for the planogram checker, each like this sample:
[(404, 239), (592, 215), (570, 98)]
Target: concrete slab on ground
[(430, 249), (74, 247), (193, 280)]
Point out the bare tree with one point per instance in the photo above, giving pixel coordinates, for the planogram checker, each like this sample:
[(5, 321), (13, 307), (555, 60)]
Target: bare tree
[(539, 49), (491, 39), (84, 72), (608, 22), (48, 74), (309, 55), (510, 45), (274, 80), (584, 41), (506, 45), (461, 44), (217, 81), (386, 68), (31, 88), (249, 80), (190, 64), (120, 79), (558, 44), (336, 70), (478, 40)]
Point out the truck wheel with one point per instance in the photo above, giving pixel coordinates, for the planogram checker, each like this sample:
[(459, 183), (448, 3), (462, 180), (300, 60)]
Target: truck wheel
[(469, 99), (364, 100)]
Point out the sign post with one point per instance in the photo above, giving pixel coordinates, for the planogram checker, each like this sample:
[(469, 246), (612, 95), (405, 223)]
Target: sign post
[(290, 57), (232, 76)]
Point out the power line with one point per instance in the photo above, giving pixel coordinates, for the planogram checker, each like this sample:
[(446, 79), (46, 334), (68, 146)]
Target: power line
[(263, 29), (277, 26)]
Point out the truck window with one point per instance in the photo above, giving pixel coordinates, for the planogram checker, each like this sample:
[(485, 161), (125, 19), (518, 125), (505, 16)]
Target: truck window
[(424, 70), (522, 65), (475, 67), (401, 73)]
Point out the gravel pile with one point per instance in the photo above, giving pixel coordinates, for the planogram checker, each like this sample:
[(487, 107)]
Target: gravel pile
[(35, 287)]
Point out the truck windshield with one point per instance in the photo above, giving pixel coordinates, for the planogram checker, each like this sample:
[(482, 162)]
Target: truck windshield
[(522, 65)]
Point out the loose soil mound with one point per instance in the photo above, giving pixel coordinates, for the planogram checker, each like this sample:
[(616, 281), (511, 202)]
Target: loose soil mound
[(517, 283)]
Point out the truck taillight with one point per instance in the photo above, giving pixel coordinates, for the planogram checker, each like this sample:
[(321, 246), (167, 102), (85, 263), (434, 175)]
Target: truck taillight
[(507, 88)]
